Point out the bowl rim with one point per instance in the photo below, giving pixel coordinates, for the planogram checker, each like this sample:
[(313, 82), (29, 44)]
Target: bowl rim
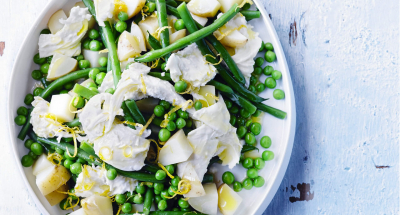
[(291, 111)]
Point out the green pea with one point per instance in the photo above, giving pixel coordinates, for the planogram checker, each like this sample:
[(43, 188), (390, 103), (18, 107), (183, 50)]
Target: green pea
[(45, 31), (232, 120), (86, 43), (253, 80), (27, 161), (267, 155), (64, 204), (45, 68), (94, 89), (100, 77), (180, 123), (172, 190), (257, 113), (93, 73), (269, 46), (67, 163), (157, 198), (253, 89), (248, 163), (28, 143), (179, 24), (159, 110), (69, 86), (123, 16), (183, 114), (270, 83), (228, 177), (165, 104), (171, 126), (172, 117), (257, 71), (127, 207), (93, 34), (244, 113), (276, 75), (183, 203), (84, 64), (69, 157), (138, 199), (110, 90), (49, 59), (234, 109), (60, 151), (111, 174), (76, 168), (33, 155), (250, 139), (72, 191), (268, 70), (164, 134), (241, 121), (255, 128), (259, 163), (247, 184), (262, 45), (237, 186), (252, 173), (259, 181), (151, 7), (20, 120), (36, 74), (186, 209), (121, 26), (160, 175), (164, 194), (38, 60), (198, 105), (90, 84), (189, 123), (180, 86), (270, 56), (260, 87), (259, 61), (279, 94), (78, 101), (37, 91), (241, 131), (162, 205), (120, 199), (159, 186), (175, 181), (248, 123), (170, 169), (94, 45), (103, 61), (265, 142), (37, 148), (228, 103), (79, 57), (141, 189)]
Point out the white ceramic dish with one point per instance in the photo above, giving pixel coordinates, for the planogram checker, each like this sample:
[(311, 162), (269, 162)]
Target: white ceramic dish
[(255, 201)]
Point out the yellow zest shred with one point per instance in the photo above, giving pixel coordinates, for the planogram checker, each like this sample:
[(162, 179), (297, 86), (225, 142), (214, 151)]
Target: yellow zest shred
[(184, 187), (244, 2), (166, 171), (131, 123), (146, 183), (91, 157), (54, 156), (147, 124), (186, 105), (119, 209), (124, 151), (224, 34), (143, 84), (157, 33), (101, 154), (189, 88), (208, 55), (154, 64), (103, 51)]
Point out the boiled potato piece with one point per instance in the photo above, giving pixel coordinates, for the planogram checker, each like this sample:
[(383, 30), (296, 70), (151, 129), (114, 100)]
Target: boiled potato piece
[(92, 21), (148, 25), (228, 200), (227, 4), (97, 205), (41, 164), (208, 93), (128, 46), (134, 6), (93, 57), (56, 196), (61, 65), (61, 108), (176, 150), (207, 204), (54, 23), (177, 35), (137, 32), (187, 171), (234, 39), (204, 8), (80, 211), (52, 178), (171, 21), (201, 20)]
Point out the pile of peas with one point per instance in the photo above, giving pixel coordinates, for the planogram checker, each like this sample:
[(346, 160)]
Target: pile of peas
[(255, 85)]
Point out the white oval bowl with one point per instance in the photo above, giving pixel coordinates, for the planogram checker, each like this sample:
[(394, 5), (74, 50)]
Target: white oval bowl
[(282, 132)]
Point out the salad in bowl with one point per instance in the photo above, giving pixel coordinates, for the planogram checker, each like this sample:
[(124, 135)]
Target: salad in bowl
[(137, 101)]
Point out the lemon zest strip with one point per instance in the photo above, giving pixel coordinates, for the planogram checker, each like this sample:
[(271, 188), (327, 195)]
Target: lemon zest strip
[(143, 84), (166, 171), (186, 188), (103, 51), (147, 124), (124, 151), (184, 106), (54, 156), (101, 154)]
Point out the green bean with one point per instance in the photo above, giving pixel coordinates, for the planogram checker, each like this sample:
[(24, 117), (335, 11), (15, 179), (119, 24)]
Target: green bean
[(166, 77), (273, 111), (83, 91), (109, 41), (33, 136), (172, 3), (50, 89), (73, 123), (87, 148), (136, 114), (181, 43), (163, 22), (94, 159), (247, 148), (44, 82), (250, 14), (154, 43), (148, 201), (150, 168), (127, 115), (208, 178), (229, 93)]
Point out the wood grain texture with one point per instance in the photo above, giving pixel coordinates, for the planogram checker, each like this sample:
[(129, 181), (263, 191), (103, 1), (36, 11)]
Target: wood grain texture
[(344, 58)]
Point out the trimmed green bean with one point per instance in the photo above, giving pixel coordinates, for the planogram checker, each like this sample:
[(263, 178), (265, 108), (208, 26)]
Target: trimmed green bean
[(83, 91), (181, 43), (247, 148), (273, 111), (163, 22), (154, 43), (150, 168), (73, 123), (166, 77), (251, 14), (148, 201), (136, 114)]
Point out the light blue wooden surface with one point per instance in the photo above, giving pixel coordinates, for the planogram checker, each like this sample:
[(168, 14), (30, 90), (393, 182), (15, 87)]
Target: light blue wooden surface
[(344, 65)]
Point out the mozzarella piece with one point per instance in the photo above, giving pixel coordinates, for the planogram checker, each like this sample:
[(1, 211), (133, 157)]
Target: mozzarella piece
[(149, 25), (191, 66), (176, 150), (104, 10), (61, 107), (207, 204), (93, 57), (228, 200), (92, 21), (54, 23), (230, 155), (52, 178), (201, 20), (128, 46), (227, 4), (204, 8), (187, 171), (177, 35), (61, 65), (66, 41), (97, 205), (57, 196), (137, 32)]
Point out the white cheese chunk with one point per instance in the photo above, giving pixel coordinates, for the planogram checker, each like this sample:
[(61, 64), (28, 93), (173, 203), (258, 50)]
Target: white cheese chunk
[(104, 10)]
